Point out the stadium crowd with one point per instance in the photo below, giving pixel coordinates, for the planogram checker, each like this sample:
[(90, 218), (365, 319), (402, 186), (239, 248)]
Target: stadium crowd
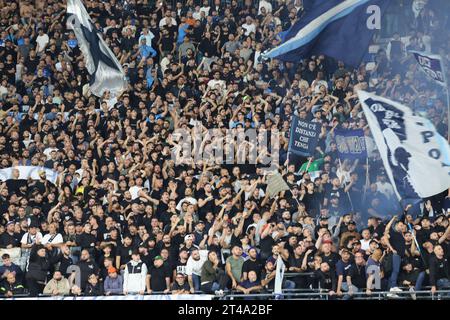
[(134, 222)]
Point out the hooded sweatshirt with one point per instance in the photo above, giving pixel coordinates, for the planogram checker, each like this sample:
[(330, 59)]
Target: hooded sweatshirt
[(134, 276)]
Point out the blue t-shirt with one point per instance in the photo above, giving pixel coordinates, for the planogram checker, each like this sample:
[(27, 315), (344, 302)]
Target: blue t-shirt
[(248, 284), (342, 268), (182, 30)]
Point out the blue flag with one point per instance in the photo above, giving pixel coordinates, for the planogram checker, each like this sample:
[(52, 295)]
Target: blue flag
[(311, 4), (351, 144), (304, 137), (341, 29)]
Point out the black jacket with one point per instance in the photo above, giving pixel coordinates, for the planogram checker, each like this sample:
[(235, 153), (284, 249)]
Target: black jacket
[(38, 269), (96, 290), (326, 280), (439, 269), (15, 288)]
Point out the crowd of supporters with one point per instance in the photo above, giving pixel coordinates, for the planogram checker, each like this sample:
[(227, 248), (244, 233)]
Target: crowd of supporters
[(129, 219)]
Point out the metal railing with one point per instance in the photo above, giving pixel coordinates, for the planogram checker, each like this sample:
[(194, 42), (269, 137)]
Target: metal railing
[(299, 294), (324, 295)]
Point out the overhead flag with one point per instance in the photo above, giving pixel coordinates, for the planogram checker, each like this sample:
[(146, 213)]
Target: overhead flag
[(330, 27), (351, 144), (310, 4), (105, 71), (415, 156), (432, 65)]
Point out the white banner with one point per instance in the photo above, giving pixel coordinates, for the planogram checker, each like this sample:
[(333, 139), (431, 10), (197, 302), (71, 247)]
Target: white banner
[(279, 274), (26, 172), (127, 297), (416, 157)]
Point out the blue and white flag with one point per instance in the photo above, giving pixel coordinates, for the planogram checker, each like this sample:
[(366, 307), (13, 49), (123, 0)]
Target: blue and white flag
[(432, 65), (340, 29), (105, 71), (311, 4), (351, 144), (416, 157)]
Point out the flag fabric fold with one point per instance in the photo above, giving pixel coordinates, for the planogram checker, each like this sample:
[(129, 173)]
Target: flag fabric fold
[(415, 156), (337, 28), (432, 65), (105, 70)]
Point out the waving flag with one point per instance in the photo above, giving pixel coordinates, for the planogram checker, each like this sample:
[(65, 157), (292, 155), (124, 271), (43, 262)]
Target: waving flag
[(340, 29), (311, 4), (416, 157), (105, 71), (432, 65)]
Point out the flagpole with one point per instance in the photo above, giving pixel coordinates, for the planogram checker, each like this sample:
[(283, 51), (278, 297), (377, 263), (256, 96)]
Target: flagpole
[(366, 186), (448, 113), (348, 194)]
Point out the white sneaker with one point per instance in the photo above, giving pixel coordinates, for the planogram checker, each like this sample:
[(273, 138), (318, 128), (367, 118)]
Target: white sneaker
[(392, 293), (413, 293), (218, 292)]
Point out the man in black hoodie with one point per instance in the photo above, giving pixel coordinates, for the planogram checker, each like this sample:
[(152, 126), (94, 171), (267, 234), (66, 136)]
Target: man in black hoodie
[(87, 267), (38, 267)]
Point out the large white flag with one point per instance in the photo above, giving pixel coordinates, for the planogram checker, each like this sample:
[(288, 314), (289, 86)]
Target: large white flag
[(26, 172), (106, 72), (416, 157)]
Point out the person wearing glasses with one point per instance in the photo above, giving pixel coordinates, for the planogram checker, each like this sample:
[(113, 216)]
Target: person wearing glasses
[(180, 285)]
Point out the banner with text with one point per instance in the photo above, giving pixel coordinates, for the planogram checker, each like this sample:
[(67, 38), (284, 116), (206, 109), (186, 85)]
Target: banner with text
[(432, 65), (351, 144), (304, 136)]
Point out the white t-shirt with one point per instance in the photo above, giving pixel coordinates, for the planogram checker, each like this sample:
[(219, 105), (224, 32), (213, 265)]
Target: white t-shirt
[(48, 152), (163, 22), (42, 41), (365, 244), (196, 15), (27, 238), (205, 10), (148, 38), (134, 190), (195, 266), (57, 239), (249, 28)]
